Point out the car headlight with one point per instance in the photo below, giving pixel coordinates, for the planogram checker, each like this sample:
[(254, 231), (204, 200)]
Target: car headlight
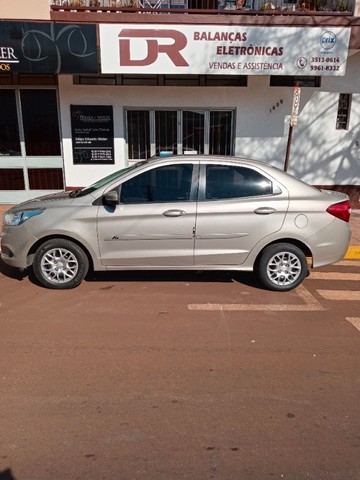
[(18, 218)]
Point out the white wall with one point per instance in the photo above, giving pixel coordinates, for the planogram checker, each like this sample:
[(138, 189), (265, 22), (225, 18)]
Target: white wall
[(357, 8), (81, 175), (25, 9), (319, 153), (326, 155)]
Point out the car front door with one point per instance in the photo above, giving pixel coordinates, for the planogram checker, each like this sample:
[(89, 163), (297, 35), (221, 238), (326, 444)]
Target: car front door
[(153, 224), (238, 206)]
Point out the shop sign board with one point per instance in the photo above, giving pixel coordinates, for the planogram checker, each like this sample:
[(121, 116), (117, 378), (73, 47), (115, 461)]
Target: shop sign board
[(92, 130), (46, 47), (230, 50)]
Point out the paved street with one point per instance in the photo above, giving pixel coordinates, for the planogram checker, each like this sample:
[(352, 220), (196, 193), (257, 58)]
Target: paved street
[(181, 376), (181, 118)]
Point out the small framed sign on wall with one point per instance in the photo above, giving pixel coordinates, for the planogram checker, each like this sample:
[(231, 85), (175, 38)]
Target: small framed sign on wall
[(92, 130)]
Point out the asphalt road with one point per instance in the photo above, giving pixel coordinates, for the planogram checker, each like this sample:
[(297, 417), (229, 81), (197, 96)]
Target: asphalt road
[(180, 376)]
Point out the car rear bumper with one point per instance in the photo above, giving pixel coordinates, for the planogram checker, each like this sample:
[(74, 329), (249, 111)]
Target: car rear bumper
[(330, 244)]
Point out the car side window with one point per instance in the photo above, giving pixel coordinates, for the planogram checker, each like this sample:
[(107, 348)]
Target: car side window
[(170, 183), (227, 181)]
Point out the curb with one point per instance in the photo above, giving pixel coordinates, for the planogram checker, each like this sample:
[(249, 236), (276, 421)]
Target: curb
[(353, 253)]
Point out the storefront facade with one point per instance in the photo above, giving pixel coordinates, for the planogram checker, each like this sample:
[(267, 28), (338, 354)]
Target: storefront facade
[(148, 96), (32, 56)]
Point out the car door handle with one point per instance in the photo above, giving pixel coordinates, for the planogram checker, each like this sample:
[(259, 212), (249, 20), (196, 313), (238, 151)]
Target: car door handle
[(174, 213), (264, 210)]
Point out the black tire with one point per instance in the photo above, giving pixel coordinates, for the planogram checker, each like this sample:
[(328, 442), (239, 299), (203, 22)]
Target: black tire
[(60, 264), (281, 267)]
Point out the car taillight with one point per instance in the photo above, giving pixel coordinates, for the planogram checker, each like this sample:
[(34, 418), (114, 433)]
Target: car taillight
[(340, 210)]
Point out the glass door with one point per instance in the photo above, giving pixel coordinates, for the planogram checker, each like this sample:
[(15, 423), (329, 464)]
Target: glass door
[(11, 165), (30, 154)]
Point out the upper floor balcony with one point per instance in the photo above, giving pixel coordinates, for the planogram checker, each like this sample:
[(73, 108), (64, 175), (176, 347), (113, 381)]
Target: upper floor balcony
[(212, 7), (265, 13)]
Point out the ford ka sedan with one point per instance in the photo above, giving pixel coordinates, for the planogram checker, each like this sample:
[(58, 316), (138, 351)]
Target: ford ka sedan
[(181, 213)]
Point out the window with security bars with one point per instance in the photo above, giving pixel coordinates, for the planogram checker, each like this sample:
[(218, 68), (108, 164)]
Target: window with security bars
[(343, 113), (179, 132), (166, 131), (138, 128), (221, 125)]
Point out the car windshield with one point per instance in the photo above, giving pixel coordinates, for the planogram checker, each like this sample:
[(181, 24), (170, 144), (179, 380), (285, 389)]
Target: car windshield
[(103, 181)]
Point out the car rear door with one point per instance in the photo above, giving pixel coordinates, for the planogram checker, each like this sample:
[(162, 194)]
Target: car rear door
[(238, 206)]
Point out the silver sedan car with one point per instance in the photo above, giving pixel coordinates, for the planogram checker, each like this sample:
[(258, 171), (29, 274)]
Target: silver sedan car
[(181, 213)]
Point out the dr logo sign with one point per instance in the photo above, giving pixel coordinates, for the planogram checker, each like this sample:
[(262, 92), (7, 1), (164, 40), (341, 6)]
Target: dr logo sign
[(157, 42)]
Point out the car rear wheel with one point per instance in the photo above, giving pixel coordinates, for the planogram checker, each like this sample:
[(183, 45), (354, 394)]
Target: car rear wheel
[(281, 267), (60, 264)]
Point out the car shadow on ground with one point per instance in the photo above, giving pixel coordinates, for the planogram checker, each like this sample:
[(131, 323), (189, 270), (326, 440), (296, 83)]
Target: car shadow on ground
[(12, 272), (174, 276), (161, 276), (6, 475)]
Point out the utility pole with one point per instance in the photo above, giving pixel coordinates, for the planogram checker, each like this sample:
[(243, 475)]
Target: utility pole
[(293, 123)]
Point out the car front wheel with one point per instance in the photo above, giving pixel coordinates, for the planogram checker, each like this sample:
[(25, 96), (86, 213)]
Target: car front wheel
[(60, 264), (281, 267)]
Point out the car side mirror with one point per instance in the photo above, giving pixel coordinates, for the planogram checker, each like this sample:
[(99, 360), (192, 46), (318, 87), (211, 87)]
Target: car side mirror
[(111, 198)]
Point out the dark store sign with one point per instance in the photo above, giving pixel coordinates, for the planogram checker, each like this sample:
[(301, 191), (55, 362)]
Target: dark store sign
[(51, 48), (92, 129)]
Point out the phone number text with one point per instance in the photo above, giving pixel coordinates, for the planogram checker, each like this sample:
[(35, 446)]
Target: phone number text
[(325, 60), (333, 68)]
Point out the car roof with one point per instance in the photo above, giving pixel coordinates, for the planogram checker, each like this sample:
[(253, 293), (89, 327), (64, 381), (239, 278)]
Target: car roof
[(205, 159)]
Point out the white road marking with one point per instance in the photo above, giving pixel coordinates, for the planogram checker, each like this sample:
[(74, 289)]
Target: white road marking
[(311, 304), (355, 321), (334, 276), (352, 295), (348, 263)]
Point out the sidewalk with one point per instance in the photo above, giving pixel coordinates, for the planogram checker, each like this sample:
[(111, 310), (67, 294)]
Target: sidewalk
[(353, 252)]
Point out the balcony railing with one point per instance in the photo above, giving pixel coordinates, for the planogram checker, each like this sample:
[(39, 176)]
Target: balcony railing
[(207, 6)]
